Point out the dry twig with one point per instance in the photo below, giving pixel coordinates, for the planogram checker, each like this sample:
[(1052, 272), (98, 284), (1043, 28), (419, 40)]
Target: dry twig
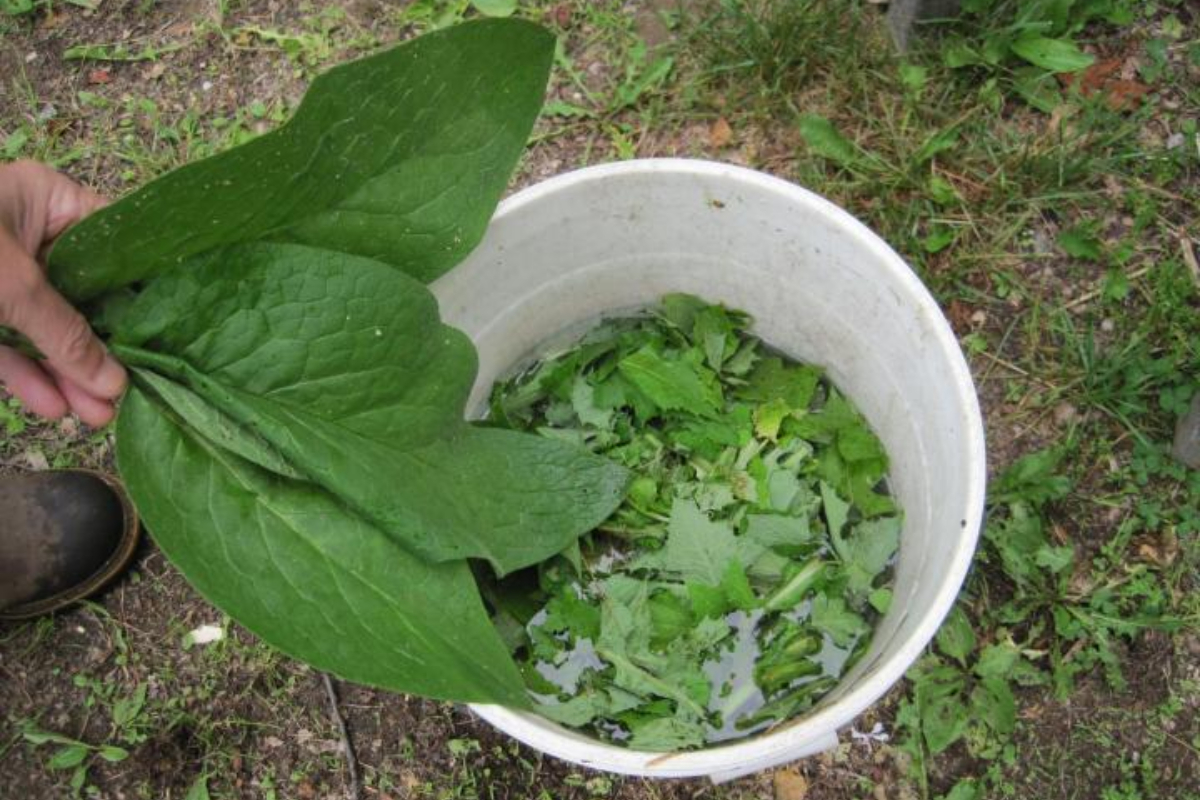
[(353, 791), (1092, 295), (1189, 258)]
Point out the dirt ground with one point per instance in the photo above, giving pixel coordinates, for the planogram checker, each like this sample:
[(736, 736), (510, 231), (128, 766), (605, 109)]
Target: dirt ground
[(246, 722)]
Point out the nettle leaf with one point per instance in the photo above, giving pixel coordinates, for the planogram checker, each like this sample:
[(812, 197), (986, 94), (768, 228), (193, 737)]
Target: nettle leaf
[(667, 734), (672, 384), (998, 660), (772, 379), (341, 366), (568, 612), (1033, 478), (944, 715), (837, 511), (867, 551), (697, 549), (993, 703), (956, 637), (400, 156), (834, 617), (776, 531), (578, 710), (293, 566)]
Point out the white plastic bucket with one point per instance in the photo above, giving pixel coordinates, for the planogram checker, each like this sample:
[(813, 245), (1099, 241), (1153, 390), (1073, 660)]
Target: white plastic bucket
[(821, 288)]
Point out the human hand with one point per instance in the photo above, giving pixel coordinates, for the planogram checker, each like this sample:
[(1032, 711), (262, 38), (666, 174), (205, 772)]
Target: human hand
[(78, 374)]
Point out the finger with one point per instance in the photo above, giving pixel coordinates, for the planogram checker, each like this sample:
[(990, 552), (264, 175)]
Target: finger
[(29, 304), (52, 202), (69, 202), (36, 389), (91, 410)]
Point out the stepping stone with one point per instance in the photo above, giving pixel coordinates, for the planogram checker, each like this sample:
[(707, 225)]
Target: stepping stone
[(1187, 436), (904, 14)]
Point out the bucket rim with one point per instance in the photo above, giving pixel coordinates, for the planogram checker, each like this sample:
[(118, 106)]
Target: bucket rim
[(795, 739)]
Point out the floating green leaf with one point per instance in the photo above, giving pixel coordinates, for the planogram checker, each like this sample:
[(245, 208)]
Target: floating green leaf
[(697, 548), (672, 384)]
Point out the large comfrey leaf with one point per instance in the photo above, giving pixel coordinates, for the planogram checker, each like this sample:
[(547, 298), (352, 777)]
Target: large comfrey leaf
[(400, 156), (340, 368), (294, 434), (291, 564)]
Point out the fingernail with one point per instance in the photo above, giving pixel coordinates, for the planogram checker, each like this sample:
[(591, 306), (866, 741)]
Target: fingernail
[(113, 377)]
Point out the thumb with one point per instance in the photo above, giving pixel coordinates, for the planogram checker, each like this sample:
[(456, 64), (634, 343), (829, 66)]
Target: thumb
[(31, 305)]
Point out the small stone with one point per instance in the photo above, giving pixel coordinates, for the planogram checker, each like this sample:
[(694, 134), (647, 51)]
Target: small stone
[(1191, 643), (1175, 141), (1065, 414), (1187, 436), (790, 785), (31, 57), (1108, 326), (720, 134), (36, 460), (1043, 244)]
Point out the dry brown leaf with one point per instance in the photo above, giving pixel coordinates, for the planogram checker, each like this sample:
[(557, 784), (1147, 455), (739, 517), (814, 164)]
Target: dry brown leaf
[(1161, 550), (790, 785), (720, 134), (1189, 258), (1108, 77), (1125, 95), (959, 314), (1092, 78), (99, 76)]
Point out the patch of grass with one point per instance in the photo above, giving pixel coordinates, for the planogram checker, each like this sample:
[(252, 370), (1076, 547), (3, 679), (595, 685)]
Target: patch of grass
[(776, 46), (1051, 227), (1051, 239)]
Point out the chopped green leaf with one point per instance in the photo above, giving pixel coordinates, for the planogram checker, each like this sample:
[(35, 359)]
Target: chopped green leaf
[(835, 618), (672, 384), (697, 548), (867, 551)]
